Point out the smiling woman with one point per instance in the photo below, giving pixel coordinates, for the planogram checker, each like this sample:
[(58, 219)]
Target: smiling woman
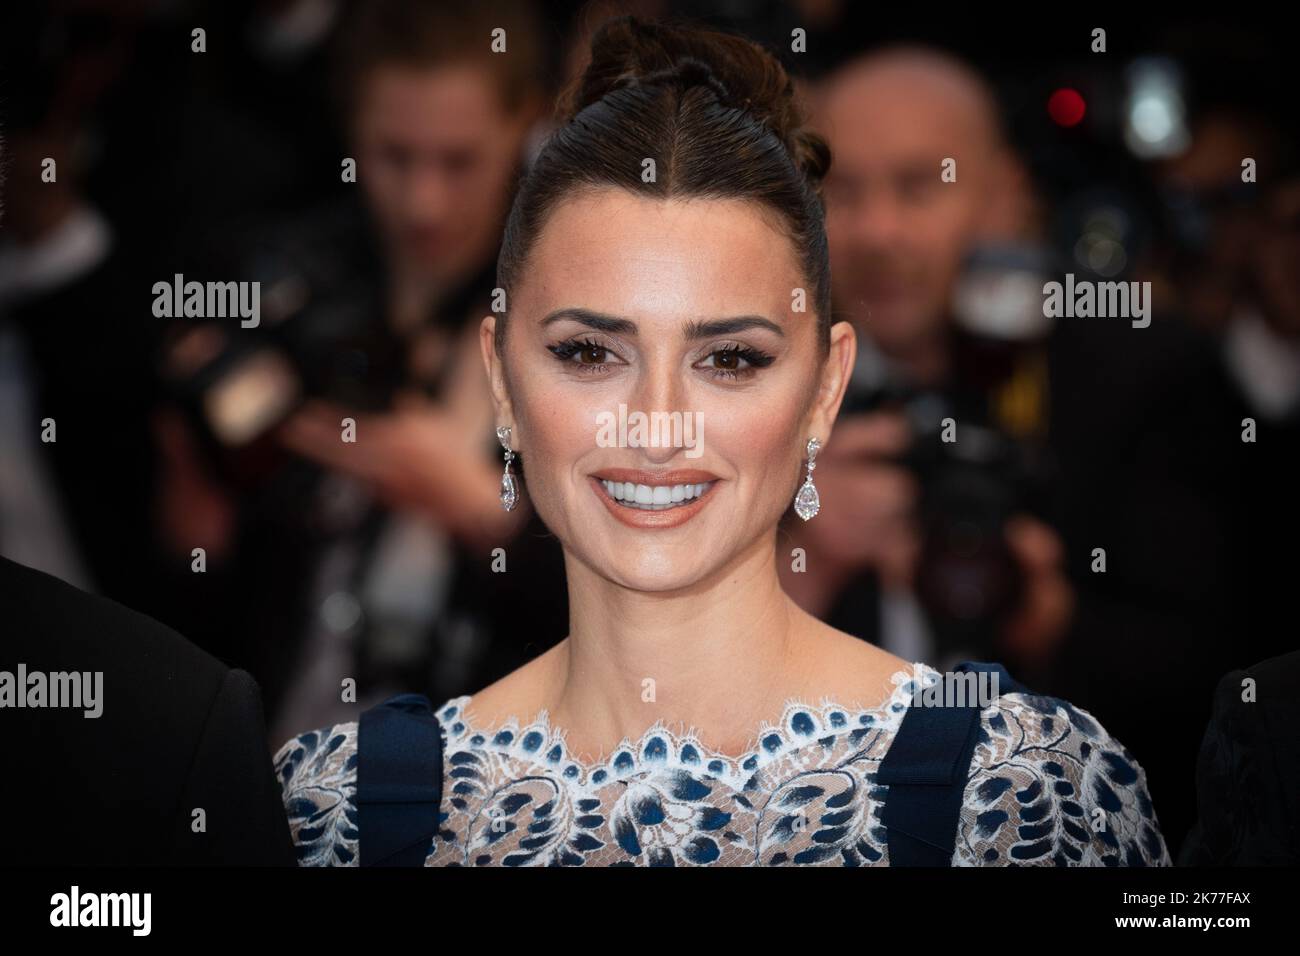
[(694, 714)]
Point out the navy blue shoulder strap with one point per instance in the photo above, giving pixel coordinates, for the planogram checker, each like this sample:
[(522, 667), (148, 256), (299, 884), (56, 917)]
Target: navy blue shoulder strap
[(926, 769), (399, 781)]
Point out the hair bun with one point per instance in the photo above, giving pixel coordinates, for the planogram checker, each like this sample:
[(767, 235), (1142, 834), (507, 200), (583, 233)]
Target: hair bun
[(627, 52), (687, 72)]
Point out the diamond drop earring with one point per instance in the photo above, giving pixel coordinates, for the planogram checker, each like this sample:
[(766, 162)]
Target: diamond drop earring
[(806, 502), (509, 490)]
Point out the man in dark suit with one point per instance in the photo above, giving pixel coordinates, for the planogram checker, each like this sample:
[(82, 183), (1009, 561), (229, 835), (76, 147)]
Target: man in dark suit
[(173, 769), (1247, 780)]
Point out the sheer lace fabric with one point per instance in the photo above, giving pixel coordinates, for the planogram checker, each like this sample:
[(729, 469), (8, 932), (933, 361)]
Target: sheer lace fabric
[(1047, 785)]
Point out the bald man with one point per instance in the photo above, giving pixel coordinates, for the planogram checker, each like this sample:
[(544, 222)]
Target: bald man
[(1131, 421), (898, 234), (898, 238)]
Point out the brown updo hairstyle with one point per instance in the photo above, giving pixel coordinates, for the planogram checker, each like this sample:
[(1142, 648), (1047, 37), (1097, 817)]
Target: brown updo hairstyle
[(718, 115)]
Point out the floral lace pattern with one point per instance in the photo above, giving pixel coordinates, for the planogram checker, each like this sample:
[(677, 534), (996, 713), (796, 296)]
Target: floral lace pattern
[(1047, 785)]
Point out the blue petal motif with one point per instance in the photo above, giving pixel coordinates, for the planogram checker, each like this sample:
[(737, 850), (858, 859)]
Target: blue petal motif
[(1119, 769)]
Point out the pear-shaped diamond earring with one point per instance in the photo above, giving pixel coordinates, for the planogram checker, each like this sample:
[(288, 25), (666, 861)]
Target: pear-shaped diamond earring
[(806, 502), (509, 490)]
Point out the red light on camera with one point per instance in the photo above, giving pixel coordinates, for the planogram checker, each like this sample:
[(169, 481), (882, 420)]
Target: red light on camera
[(1066, 107)]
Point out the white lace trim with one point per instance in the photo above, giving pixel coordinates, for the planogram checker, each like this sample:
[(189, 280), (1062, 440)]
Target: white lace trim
[(1043, 775), (660, 747)]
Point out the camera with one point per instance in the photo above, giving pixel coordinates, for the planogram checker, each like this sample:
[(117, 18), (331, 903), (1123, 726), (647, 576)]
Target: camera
[(240, 383), (973, 478)]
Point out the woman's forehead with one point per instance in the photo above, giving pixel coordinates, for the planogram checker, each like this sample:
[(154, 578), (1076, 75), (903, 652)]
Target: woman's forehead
[(643, 253)]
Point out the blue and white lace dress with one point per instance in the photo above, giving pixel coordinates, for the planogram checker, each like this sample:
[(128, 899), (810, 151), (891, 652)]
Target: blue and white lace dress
[(1047, 786)]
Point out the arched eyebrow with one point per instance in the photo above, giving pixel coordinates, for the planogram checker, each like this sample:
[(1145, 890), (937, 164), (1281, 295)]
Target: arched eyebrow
[(617, 325)]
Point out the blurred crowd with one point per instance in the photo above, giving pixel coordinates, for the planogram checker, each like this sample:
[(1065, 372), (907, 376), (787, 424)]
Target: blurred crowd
[(1114, 521)]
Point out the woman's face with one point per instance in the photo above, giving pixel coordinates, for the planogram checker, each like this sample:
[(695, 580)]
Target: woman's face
[(631, 306)]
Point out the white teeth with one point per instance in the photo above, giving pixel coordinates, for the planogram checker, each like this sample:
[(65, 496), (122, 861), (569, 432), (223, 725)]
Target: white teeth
[(653, 497)]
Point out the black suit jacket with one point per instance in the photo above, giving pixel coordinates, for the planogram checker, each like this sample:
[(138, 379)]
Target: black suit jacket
[(1248, 776), (179, 732)]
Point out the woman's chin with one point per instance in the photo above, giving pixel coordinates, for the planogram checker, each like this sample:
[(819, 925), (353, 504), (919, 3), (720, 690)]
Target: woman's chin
[(653, 573)]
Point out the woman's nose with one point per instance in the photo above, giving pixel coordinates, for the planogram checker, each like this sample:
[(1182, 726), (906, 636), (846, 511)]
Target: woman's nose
[(661, 396), (660, 386)]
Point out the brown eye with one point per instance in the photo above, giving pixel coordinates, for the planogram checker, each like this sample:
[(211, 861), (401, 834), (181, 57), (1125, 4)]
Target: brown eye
[(587, 354), (727, 360), (735, 362)]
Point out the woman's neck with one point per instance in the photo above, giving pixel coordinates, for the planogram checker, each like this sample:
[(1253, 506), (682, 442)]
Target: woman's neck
[(719, 657)]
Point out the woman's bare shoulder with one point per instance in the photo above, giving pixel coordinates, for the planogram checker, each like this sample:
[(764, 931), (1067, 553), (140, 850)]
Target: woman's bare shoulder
[(851, 670)]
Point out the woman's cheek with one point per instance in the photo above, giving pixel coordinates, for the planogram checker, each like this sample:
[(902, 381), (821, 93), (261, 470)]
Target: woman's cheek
[(758, 429), (562, 435)]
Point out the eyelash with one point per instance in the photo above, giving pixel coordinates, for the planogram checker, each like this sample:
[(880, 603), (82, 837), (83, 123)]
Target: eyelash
[(565, 351)]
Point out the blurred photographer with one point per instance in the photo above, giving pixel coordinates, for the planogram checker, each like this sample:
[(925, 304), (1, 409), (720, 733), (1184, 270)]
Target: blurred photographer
[(1234, 257), (935, 548), (342, 448), (1095, 440)]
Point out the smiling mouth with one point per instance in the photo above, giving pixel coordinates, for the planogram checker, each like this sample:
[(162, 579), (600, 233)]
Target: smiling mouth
[(638, 497)]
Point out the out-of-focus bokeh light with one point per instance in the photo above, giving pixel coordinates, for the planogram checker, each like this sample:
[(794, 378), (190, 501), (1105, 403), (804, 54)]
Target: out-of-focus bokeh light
[(1066, 107), (1154, 113), (1101, 248)]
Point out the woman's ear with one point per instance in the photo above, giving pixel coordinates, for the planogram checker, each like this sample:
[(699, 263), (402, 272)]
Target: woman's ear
[(495, 371), (833, 382)]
